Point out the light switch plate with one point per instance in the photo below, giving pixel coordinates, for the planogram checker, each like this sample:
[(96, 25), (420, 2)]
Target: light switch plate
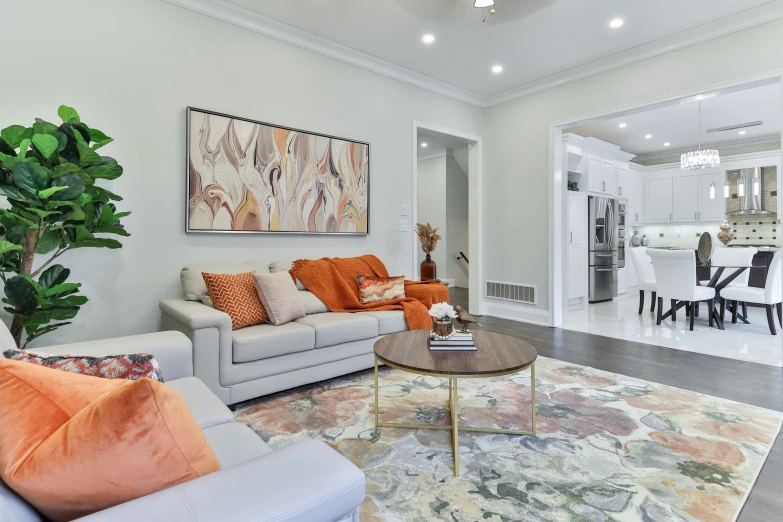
[(402, 226), (405, 210)]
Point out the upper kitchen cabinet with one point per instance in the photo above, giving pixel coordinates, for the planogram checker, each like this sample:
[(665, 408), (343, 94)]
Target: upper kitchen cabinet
[(685, 186), (711, 208), (607, 168), (658, 199), (636, 203), (623, 182)]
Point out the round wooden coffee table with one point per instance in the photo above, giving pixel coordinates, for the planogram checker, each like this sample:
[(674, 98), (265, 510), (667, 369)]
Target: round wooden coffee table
[(497, 355)]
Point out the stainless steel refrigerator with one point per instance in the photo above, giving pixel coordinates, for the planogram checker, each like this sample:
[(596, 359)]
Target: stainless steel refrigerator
[(603, 244)]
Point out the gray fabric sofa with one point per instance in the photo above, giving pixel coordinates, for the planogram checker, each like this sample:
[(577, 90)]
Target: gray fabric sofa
[(259, 360), (305, 482)]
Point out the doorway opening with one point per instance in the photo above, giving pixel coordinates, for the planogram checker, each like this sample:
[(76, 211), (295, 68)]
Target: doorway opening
[(447, 188)]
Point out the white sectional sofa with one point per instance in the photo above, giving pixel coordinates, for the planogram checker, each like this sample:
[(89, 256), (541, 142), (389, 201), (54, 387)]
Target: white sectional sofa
[(259, 360), (305, 482)]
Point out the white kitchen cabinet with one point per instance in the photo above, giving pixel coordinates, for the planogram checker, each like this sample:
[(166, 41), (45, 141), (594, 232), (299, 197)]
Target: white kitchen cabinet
[(576, 271), (622, 281), (595, 178), (609, 177), (685, 200), (711, 209), (636, 204), (623, 181), (658, 200), (577, 218)]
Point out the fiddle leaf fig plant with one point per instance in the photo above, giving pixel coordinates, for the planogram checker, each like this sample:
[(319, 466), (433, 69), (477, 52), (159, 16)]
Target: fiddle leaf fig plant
[(49, 175)]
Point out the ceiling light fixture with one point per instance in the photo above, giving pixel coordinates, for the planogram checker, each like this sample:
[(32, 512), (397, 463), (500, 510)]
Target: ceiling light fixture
[(497, 69), (616, 23), (623, 125), (648, 137), (483, 4), (428, 38), (424, 145), (666, 144), (742, 133), (700, 159)]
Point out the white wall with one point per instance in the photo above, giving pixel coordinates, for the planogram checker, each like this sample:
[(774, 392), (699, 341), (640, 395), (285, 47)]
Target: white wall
[(130, 67), (431, 208), (517, 141), (457, 216)]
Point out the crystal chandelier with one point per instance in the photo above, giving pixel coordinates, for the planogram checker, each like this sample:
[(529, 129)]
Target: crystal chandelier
[(700, 158)]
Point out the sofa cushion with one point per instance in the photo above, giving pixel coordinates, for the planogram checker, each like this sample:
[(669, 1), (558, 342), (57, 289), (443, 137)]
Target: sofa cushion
[(280, 297), (236, 295), (312, 304), (266, 340), (193, 286), (206, 408), (389, 321), (280, 266), (340, 327), (235, 443)]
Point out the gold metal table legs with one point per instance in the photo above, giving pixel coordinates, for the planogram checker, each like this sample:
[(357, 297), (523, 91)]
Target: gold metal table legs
[(454, 410)]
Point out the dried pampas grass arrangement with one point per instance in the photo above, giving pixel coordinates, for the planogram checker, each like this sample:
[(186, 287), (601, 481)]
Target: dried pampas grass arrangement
[(428, 236)]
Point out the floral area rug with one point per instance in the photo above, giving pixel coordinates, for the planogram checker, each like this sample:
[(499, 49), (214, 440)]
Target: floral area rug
[(609, 447)]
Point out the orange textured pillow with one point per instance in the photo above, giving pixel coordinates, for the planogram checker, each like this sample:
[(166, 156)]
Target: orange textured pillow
[(236, 295), (73, 444)]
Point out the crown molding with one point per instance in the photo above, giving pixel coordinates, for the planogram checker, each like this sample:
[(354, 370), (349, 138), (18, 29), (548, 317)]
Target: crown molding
[(739, 22), (772, 139), (252, 21)]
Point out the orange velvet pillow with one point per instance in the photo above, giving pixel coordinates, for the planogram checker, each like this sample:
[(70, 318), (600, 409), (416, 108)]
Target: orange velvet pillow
[(236, 295), (73, 444)]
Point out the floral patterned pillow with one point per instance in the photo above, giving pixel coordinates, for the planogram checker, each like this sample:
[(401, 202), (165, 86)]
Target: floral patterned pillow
[(130, 366)]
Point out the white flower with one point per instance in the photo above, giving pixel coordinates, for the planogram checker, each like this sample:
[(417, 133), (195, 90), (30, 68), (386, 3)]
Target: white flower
[(442, 311)]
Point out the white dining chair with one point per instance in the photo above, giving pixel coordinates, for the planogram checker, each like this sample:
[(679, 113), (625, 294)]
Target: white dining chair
[(645, 274), (731, 257), (675, 278), (770, 296)]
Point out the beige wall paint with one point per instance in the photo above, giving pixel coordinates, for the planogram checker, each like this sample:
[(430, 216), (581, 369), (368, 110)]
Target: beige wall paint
[(131, 67), (517, 153), (457, 217)]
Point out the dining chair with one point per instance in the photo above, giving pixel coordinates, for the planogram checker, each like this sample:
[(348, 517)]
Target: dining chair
[(645, 274), (731, 257), (675, 278), (770, 296)]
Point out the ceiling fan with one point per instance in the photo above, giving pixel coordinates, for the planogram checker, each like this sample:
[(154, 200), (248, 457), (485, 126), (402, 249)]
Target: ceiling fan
[(483, 4)]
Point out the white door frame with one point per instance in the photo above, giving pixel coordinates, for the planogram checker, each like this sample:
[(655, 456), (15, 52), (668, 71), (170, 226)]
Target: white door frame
[(475, 210), (556, 183)]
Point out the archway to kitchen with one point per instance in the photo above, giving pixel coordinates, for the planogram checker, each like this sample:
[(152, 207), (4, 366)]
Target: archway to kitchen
[(628, 162)]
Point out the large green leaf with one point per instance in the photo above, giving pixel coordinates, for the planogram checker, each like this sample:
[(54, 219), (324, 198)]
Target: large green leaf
[(74, 184), (23, 146), (47, 193), (97, 242), (46, 144), (62, 287), (44, 127), (67, 114), (54, 275), (110, 170), (14, 134), (22, 294), (98, 136), (6, 149), (14, 193), (101, 194), (87, 156), (7, 246), (111, 229), (48, 242), (31, 177)]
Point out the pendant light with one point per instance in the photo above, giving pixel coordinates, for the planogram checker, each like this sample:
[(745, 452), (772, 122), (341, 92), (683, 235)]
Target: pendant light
[(700, 159), (756, 180), (483, 4), (712, 190)]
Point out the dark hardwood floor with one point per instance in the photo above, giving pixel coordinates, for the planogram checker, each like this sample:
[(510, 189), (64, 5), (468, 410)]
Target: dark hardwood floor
[(749, 383)]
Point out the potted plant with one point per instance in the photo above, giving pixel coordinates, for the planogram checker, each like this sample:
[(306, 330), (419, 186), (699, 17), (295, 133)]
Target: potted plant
[(49, 174), (429, 237)]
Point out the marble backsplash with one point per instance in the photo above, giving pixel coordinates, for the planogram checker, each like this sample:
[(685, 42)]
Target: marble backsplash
[(748, 230)]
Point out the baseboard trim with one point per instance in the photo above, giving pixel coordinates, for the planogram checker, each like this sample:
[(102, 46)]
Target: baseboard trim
[(513, 313)]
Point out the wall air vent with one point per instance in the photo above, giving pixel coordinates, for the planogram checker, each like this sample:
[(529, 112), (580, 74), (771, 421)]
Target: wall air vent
[(511, 292)]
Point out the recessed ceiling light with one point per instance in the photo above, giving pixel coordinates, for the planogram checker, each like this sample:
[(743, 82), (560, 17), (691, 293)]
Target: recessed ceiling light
[(616, 23), (428, 38), (743, 132), (623, 125), (497, 69), (648, 136), (666, 144), (424, 145)]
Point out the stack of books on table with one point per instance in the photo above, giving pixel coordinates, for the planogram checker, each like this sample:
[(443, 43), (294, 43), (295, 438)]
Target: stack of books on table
[(456, 342)]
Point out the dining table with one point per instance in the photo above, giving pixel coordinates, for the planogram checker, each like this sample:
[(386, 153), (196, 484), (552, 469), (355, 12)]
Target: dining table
[(719, 284)]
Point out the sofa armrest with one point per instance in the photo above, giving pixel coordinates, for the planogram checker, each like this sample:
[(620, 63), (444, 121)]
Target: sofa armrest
[(172, 350), (305, 482), (194, 315)]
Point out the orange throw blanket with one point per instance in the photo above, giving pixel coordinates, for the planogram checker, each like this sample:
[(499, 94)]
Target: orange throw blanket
[(333, 281)]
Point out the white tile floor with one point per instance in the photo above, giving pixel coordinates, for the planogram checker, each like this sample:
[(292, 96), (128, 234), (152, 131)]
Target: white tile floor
[(620, 319)]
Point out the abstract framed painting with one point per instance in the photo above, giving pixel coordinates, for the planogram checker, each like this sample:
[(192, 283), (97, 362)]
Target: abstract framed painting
[(246, 176)]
